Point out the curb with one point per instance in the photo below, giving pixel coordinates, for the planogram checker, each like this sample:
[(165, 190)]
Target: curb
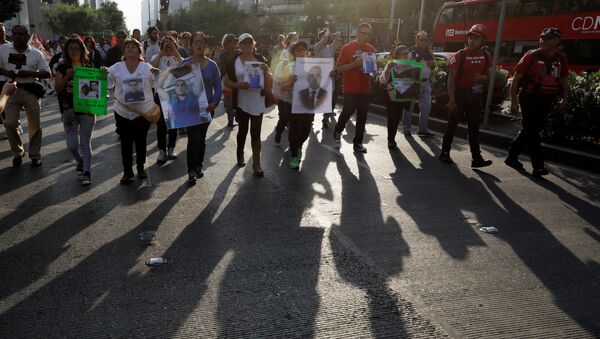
[(558, 154)]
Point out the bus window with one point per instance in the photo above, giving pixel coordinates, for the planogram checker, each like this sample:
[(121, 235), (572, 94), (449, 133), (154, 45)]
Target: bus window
[(446, 15), (582, 51)]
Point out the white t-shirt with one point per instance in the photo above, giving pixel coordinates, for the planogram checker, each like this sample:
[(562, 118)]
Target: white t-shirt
[(249, 100), (132, 89), (35, 61), (151, 50), (166, 62)]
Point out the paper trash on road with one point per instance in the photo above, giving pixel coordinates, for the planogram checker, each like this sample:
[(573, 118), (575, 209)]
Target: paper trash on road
[(156, 261), (489, 229)]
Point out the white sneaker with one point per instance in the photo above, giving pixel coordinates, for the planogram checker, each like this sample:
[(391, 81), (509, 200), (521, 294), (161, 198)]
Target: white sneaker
[(171, 153)]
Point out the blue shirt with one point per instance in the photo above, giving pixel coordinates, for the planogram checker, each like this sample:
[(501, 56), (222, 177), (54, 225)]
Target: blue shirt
[(212, 81)]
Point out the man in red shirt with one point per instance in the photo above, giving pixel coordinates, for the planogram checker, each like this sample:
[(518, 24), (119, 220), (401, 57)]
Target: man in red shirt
[(469, 72), (541, 75), (357, 85)]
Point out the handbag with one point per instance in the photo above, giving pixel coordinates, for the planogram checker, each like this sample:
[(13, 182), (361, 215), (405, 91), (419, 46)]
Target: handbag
[(34, 88)]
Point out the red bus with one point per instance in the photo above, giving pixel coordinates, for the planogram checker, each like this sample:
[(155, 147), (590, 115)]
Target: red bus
[(578, 20)]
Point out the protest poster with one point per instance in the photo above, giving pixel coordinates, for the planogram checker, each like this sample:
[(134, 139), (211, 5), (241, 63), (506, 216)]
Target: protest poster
[(253, 74), (89, 90), (405, 80), (313, 90), (182, 97), (369, 62)]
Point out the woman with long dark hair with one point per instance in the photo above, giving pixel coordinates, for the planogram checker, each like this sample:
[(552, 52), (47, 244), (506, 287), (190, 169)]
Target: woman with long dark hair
[(94, 54), (211, 79), (78, 126), (167, 58)]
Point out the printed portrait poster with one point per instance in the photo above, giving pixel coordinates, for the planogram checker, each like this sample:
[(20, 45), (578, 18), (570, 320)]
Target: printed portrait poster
[(313, 90), (369, 63), (405, 80), (89, 90), (182, 97), (253, 74)]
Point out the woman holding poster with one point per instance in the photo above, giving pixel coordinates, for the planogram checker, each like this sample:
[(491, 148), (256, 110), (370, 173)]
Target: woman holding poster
[(78, 126), (300, 123), (211, 79), (249, 103), (133, 81), (395, 110), (167, 58)]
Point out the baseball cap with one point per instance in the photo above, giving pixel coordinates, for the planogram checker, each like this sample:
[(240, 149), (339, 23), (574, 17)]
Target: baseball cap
[(245, 36), (551, 32)]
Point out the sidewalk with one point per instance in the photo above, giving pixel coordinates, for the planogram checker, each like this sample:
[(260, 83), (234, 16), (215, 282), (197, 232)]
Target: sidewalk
[(502, 130)]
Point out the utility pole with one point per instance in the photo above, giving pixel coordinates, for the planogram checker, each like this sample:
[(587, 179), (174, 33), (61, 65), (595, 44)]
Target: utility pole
[(421, 15), (488, 101), (149, 15)]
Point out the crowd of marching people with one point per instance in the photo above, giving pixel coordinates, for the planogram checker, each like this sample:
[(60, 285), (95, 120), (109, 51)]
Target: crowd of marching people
[(540, 77)]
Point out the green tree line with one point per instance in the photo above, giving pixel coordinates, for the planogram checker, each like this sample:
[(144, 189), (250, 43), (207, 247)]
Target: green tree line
[(65, 19)]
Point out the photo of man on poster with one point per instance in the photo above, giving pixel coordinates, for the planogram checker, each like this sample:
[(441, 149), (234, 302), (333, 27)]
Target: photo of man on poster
[(314, 95)]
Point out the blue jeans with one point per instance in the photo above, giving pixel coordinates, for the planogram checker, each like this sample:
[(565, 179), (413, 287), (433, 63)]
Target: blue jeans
[(79, 138), (424, 107)]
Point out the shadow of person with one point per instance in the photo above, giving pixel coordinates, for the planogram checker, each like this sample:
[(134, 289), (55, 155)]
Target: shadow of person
[(100, 289), (437, 187), (362, 224), (572, 283)]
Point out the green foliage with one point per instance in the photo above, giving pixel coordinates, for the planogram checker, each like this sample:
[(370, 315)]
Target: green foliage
[(579, 122), (214, 18), (67, 19), (9, 9)]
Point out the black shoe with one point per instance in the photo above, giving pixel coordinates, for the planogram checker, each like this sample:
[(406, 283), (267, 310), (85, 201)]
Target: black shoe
[(86, 179), (142, 174), (230, 123), (514, 163), (192, 177), (37, 162), (17, 160), (79, 168), (539, 172), (425, 134), (277, 137), (392, 145), (199, 173), (479, 162), (360, 148), (445, 157)]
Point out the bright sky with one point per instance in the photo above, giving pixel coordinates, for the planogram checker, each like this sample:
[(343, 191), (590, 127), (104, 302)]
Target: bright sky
[(132, 10)]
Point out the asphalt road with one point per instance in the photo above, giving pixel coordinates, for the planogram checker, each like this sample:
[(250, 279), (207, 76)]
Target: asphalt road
[(385, 244)]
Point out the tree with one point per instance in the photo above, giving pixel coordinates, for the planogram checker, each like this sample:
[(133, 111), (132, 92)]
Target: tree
[(111, 17), (67, 19), (9, 9), (214, 18), (271, 27)]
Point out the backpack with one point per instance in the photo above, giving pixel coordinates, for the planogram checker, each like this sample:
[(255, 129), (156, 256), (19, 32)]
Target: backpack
[(549, 83)]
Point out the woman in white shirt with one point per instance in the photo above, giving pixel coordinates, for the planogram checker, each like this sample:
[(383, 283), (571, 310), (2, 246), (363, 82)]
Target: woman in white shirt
[(133, 81), (167, 58), (249, 102)]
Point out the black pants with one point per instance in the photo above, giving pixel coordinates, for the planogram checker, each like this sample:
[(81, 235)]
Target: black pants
[(285, 109), (358, 103), (301, 125), (196, 146), (535, 109), (162, 131), (245, 121), (394, 115), (471, 106), (132, 131)]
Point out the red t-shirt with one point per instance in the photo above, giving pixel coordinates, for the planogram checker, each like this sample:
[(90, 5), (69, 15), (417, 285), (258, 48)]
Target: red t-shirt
[(475, 63), (355, 81), (535, 75)]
